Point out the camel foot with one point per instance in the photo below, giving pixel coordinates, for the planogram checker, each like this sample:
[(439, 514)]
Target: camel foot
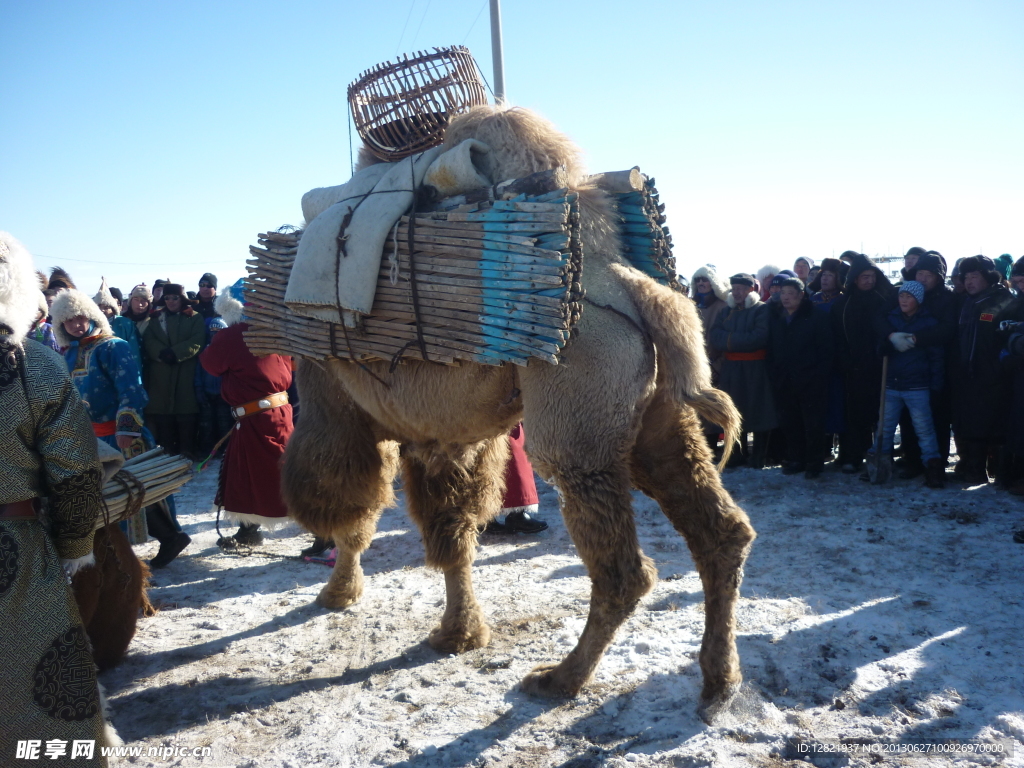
[(548, 681), (459, 640), (713, 703), (335, 597)]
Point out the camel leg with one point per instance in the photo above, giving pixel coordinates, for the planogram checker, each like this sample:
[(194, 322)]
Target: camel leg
[(596, 506), (450, 492), (581, 419), (336, 478), (672, 464)]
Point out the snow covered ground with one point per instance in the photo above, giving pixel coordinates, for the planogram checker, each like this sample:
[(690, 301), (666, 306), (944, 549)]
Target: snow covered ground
[(871, 613)]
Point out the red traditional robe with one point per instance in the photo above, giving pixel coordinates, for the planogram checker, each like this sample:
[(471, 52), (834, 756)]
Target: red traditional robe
[(520, 489), (251, 476)]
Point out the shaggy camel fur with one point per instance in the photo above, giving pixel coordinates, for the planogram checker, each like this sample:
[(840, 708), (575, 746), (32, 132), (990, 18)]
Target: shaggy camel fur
[(110, 595), (619, 411)]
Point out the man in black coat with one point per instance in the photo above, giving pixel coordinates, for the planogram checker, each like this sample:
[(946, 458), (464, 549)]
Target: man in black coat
[(858, 326), (981, 386), (799, 362)]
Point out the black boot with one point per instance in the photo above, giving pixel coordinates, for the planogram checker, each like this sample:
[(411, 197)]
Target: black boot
[(936, 474), (759, 454), (163, 528), (249, 535)]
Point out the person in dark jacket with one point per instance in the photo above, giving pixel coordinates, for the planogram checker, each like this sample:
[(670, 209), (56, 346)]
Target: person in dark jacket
[(207, 296), (1013, 362), (171, 345), (824, 292), (799, 362), (910, 259), (858, 325), (941, 303), (981, 392), (740, 334), (913, 373)]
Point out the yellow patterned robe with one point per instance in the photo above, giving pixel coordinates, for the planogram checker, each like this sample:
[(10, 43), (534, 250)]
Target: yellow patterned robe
[(48, 689)]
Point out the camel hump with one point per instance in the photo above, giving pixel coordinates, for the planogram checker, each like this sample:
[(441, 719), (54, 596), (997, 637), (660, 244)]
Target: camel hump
[(674, 326)]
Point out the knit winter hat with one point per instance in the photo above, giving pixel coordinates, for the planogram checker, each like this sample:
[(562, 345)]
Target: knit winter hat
[(209, 278), (104, 298), (742, 278), (141, 291), (779, 279), (792, 282), (915, 289), (806, 259), (982, 264), (932, 262)]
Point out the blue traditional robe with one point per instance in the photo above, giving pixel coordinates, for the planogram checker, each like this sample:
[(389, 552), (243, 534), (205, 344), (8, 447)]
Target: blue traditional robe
[(108, 380)]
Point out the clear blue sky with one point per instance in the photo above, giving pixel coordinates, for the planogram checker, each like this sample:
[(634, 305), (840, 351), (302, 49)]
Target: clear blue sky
[(145, 140)]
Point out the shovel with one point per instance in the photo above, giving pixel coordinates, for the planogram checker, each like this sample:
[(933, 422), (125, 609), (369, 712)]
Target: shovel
[(879, 464)]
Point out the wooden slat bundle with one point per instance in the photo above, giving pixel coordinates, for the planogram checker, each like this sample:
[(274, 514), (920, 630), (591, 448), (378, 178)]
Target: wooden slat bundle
[(646, 240), (154, 474), (496, 281)]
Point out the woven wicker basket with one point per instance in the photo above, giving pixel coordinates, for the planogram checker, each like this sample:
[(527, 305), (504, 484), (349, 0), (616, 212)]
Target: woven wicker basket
[(402, 108)]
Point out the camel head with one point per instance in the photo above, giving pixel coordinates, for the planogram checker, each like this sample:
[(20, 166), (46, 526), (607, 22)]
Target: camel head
[(521, 141)]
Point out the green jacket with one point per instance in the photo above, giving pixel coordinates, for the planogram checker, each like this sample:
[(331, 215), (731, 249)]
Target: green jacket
[(170, 385)]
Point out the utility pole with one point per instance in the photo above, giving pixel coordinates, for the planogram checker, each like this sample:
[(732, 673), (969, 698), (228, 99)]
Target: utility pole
[(497, 57)]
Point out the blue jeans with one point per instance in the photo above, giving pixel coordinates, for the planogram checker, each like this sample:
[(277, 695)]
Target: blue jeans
[(918, 404)]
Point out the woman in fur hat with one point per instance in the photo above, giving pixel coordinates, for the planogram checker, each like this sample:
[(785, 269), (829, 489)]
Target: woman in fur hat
[(171, 345), (48, 451), (709, 293), (764, 279), (107, 377)]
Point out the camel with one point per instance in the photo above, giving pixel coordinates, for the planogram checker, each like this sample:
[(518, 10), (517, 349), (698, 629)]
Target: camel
[(619, 411)]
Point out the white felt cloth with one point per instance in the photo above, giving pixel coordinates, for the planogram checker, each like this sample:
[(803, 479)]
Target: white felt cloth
[(325, 286), (322, 282), (111, 460)]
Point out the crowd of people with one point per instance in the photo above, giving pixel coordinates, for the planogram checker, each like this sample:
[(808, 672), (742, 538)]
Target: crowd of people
[(825, 362)]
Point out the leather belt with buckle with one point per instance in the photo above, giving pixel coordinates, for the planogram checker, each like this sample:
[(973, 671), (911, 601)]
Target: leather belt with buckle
[(275, 400)]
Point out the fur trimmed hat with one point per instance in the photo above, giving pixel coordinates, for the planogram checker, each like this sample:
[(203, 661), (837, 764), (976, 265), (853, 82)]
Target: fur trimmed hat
[(141, 291), (766, 272), (837, 267), (742, 278), (982, 264), (19, 288), (718, 286), (174, 289), (932, 262), (104, 298), (71, 304), (229, 306)]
